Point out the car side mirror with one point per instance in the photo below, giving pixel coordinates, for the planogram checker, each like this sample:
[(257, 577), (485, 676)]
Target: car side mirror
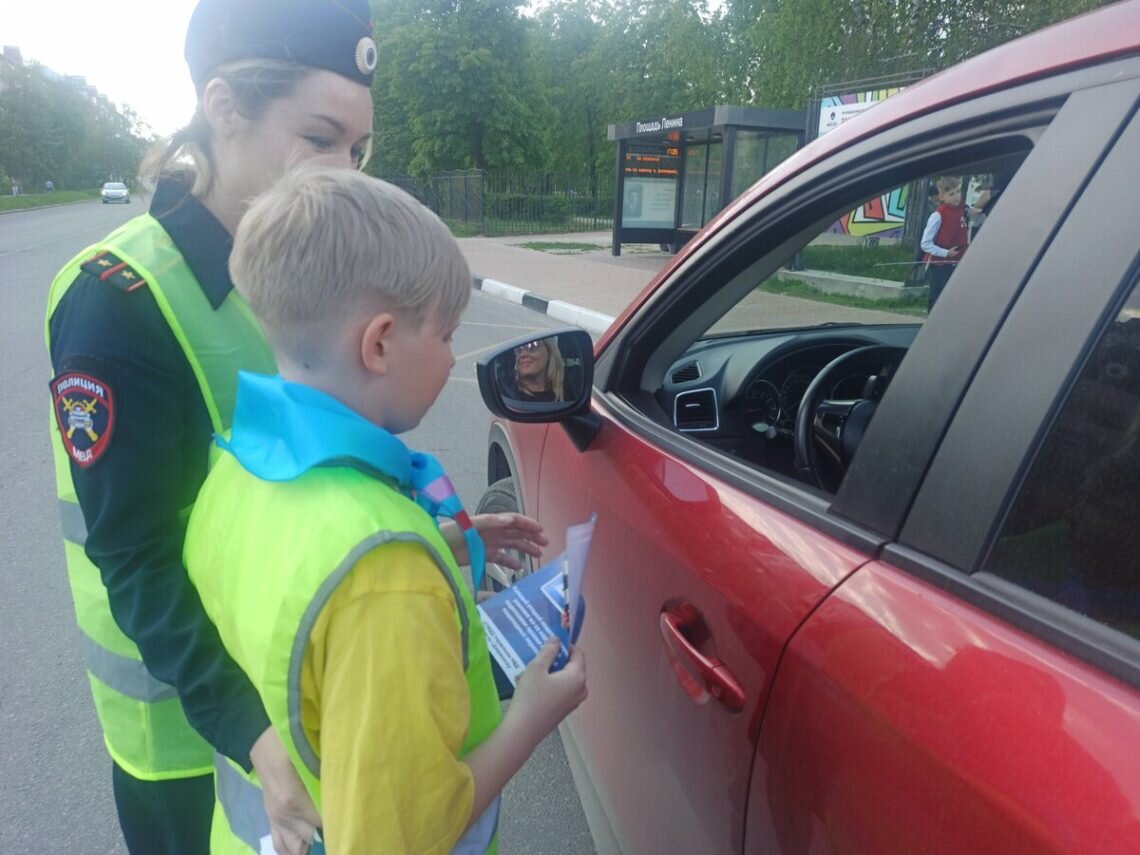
[(539, 378)]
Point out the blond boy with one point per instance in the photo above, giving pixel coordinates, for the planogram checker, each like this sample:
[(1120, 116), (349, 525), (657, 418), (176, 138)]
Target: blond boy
[(313, 542)]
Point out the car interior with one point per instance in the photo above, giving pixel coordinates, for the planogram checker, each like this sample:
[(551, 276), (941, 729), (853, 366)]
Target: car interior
[(783, 365)]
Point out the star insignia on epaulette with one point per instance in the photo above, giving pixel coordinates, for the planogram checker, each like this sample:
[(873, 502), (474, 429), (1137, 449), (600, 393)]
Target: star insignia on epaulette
[(107, 267)]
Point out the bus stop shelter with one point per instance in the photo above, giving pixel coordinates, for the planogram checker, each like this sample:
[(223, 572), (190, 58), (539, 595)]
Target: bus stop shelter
[(674, 173)]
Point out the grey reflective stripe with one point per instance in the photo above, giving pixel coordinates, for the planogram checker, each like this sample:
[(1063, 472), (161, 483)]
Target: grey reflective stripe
[(309, 619), (242, 802), (478, 838), (74, 525), (125, 675)]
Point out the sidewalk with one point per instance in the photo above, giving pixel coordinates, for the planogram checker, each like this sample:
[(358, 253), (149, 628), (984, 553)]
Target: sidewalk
[(589, 289), (564, 285)]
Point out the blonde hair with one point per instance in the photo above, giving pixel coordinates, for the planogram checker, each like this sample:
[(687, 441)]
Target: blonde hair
[(555, 379), (326, 244), (255, 84), (947, 183)]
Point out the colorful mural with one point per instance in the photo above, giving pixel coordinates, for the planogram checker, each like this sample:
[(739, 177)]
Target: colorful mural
[(882, 217)]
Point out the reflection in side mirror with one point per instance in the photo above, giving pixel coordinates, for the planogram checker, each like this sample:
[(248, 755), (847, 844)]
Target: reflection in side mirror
[(543, 378)]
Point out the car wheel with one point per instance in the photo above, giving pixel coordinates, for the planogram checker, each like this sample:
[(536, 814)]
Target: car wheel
[(501, 498)]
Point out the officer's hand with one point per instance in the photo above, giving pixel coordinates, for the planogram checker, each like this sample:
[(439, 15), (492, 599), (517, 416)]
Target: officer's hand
[(293, 819)]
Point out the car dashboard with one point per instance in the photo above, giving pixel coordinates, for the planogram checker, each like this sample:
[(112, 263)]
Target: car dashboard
[(742, 392)]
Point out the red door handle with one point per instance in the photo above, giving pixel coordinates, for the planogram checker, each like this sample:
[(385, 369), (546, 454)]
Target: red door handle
[(701, 675)]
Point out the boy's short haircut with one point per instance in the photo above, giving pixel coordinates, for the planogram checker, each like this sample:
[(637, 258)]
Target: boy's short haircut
[(947, 183), (324, 245)]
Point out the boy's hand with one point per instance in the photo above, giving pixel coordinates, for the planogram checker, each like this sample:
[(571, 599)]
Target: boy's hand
[(293, 820), (543, 699), (500, 533), (953, 252)]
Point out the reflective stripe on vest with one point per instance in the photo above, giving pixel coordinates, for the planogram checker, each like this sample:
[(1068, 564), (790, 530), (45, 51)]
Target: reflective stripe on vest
[(144, 727), (126, 676), (73, 523), (242, 801), (244, 806), (313, 612)]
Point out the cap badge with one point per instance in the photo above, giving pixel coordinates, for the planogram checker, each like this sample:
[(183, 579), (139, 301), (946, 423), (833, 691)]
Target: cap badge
[(366, 55)]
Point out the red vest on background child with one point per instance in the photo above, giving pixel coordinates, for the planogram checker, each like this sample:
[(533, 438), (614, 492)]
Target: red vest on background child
[(952, 233)]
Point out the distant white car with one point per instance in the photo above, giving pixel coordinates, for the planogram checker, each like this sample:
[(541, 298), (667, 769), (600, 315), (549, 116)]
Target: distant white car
[(114, 191)]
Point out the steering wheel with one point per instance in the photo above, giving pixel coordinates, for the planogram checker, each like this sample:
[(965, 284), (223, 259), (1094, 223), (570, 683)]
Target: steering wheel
[(836, 427)]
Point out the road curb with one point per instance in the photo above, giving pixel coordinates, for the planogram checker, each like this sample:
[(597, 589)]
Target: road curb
[(45, 207), (589, 320)]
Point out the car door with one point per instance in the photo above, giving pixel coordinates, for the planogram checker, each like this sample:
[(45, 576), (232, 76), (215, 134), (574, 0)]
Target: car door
[(702, 567), (977, 688)]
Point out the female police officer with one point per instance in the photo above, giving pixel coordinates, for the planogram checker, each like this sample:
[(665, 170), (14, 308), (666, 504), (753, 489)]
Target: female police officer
[(146, 336)]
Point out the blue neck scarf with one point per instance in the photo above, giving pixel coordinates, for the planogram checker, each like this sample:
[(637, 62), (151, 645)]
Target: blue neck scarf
[(282, 430)]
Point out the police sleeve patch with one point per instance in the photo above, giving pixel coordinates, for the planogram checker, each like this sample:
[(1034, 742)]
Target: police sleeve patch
[(85, 414)]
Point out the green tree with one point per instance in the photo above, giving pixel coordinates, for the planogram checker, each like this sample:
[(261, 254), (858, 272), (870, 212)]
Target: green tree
[(457, 75), (801, 44), (55, 129)]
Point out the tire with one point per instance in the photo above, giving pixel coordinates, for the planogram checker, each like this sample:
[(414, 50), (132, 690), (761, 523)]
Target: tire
[(501, 498)]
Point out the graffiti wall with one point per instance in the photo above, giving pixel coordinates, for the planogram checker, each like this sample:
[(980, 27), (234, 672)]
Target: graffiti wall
[(881, 217)]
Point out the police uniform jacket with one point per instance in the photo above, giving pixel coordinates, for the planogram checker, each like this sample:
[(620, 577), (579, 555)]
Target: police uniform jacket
[(151, 467)]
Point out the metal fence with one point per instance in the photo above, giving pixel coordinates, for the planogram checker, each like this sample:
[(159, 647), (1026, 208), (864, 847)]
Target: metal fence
[(475, 201)]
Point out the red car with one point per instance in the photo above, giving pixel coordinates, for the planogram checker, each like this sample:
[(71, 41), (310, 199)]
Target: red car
[(866, 577)]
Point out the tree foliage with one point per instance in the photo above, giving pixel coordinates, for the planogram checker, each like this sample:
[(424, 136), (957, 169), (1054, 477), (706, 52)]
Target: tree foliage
[(53, 129), (801, 44), (476, 83), (456, 81)]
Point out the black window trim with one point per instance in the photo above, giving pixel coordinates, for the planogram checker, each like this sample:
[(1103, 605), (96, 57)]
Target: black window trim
[(636, 409), (1022, 110), (1104, 647), (1056, 88)]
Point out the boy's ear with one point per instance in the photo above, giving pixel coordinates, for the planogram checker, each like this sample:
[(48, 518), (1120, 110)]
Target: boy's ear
[(376, 343)]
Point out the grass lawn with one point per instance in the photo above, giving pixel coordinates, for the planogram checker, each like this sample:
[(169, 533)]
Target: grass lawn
[(878, 262), (39, 200), (908, 305), (562, 247), (463, 230)]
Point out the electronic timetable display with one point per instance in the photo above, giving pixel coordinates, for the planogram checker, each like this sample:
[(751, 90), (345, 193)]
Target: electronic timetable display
[(651, 175)]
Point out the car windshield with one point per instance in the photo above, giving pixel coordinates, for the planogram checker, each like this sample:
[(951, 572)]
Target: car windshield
[(114, 186)]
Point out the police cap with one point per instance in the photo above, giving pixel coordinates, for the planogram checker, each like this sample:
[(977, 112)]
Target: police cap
[(331, 34)]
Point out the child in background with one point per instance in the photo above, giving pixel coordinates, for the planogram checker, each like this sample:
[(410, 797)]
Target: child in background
[(945, 238)]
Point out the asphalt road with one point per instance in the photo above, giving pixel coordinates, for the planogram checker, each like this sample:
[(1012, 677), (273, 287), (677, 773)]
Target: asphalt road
[(55, 793)]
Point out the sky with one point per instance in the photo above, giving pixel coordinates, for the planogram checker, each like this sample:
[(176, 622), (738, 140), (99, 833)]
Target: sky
[(130, 50)]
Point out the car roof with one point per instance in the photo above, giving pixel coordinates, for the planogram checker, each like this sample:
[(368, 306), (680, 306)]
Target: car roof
[(1085, 40)]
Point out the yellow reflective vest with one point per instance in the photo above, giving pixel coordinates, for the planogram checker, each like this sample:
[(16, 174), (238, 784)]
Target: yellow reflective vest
[(144, 727), (266, 556)]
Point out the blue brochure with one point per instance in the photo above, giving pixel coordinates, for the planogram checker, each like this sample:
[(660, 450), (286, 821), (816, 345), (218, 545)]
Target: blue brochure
[(548, 602)]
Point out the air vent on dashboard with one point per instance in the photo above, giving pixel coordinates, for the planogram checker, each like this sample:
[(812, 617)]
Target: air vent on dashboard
[(687, 373), (696, 410)]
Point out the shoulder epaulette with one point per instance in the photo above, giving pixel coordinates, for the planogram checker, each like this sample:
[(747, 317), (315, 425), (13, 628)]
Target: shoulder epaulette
[(107, 267)]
